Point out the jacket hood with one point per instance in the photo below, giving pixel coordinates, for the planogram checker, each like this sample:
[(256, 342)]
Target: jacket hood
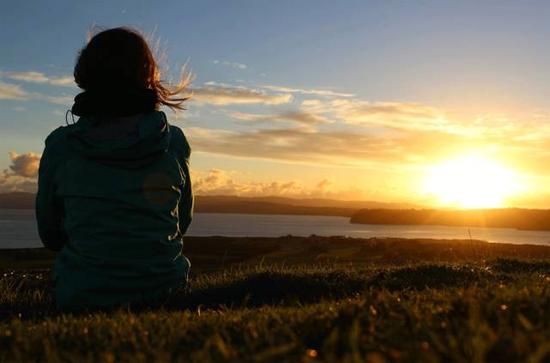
[(131, 141)]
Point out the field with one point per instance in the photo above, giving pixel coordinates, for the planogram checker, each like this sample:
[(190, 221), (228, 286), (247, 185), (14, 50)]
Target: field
[(297, 299)]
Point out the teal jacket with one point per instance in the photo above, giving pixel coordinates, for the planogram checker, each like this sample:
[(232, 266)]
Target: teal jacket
[(115, 199)]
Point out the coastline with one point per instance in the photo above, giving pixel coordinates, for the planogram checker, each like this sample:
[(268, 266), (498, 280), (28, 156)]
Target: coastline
[(215, 252)]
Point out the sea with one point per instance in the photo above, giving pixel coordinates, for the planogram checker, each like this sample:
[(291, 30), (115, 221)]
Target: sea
[(18, 229)]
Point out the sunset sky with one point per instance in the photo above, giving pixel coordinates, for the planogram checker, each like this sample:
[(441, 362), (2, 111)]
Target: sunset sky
[(428, 102)]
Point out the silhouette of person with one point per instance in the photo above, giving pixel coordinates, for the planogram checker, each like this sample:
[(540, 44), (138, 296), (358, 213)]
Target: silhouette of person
[(114, 192)]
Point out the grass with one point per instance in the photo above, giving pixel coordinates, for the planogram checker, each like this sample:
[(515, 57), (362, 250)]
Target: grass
[(287, 299)]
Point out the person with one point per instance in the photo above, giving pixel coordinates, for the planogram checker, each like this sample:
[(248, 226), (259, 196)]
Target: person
[(114, 191)]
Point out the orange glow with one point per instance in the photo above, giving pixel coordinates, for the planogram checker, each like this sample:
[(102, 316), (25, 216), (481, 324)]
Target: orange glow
[(471, 182)]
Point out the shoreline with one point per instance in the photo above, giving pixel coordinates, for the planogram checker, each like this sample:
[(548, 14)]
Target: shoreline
[(403, 218), (215, 252)]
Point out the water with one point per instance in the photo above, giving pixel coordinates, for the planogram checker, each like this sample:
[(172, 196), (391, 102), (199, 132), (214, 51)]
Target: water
[(18, 229)]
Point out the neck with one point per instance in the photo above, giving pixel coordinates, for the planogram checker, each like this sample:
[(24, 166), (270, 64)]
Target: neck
[(115, 102)]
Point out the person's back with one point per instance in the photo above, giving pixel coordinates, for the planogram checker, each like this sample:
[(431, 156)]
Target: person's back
[(114, 190)]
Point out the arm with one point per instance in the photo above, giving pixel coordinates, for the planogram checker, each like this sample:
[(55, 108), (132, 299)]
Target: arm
[(186, 201), (185, 206), (49, 210)]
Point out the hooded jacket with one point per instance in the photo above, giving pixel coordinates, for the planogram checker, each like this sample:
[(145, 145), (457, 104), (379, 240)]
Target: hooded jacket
[(115, 199)]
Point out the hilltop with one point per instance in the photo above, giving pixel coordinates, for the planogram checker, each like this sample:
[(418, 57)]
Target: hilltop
[(294, 299)]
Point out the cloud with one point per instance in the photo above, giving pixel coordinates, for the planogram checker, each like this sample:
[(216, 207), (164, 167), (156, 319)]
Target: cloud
[(300, 145), (63, 100), (324, 184), (17, 184), (367, 112), (395, 115), (21, 173), (300, 117), (222, 182), (39, 77), (220, 94), (230, 64), (407, 149), (24, 165), (307, 91), (9, 91), (343, 108)]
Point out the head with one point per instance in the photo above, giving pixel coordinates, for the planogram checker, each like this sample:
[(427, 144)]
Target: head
[(120, 58)]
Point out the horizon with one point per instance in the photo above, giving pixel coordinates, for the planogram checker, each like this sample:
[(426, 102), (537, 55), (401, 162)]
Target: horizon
[(398, 206), (438, 103)]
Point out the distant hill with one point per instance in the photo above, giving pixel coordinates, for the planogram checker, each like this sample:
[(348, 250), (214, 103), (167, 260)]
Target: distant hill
[(207, 204), (362, 212), (252, 205), (281, 205), (311, 202), (17, 200), (526, 219)]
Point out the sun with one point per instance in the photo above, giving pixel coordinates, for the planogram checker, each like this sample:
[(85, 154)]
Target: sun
[(471, 182)]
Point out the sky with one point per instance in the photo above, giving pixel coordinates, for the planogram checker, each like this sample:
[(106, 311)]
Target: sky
[(397, 101)]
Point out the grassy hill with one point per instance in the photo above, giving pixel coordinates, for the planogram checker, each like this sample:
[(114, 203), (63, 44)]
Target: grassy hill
[(302, 300)]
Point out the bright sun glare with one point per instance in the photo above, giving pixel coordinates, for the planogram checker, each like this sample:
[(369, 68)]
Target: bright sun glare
[(471, 182)]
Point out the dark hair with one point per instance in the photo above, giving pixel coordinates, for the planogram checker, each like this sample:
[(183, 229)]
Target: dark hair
[(120, 58)]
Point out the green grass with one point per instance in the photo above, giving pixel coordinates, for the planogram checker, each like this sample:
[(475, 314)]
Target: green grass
[(288, 300)]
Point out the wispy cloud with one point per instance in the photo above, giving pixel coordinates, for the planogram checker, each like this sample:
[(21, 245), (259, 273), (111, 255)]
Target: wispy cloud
[(9, 91), (12, 91), (397, 115), (63, 100), (39, 77), (220, 94), (15, 92), (399, 151), (230, 64), (300, 117), (307, 91), (297, 145)]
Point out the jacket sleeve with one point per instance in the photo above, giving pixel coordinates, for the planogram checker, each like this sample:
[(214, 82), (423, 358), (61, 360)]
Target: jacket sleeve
[(49, 210), (187, 200), (186, 203)]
